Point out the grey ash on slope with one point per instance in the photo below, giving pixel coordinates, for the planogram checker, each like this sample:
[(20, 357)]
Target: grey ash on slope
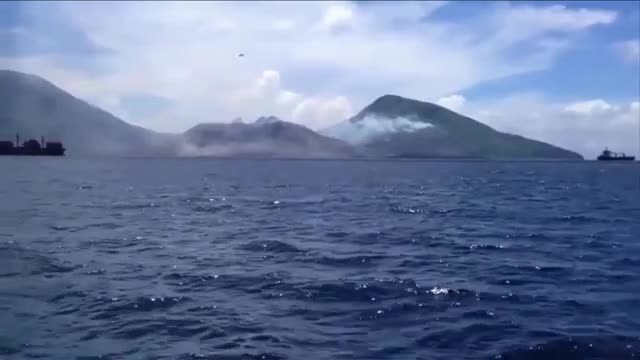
[(392, 126), (267, 136), (34, 107)]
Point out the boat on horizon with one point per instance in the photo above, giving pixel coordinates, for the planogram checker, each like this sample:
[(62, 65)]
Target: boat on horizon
[(608, 155), (32, 148)]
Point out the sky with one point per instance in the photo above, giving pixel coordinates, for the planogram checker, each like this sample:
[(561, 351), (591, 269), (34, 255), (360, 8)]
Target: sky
[(563, 72)]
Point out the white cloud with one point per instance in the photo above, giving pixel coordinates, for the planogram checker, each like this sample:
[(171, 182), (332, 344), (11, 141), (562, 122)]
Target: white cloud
[(336, 17), (452, 102), (589, 107), (554, 17), (187, 52), (269, 84), (284, 25), (584, 126), (629, 49), (317, 112), (515, 23)]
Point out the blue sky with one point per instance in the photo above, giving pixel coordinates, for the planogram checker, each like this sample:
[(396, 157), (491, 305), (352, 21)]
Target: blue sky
[(584, 70), (551, 70)]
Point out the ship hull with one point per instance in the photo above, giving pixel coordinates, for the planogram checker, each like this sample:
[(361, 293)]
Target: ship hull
[(31, 153), (32, 148), (618, 158)]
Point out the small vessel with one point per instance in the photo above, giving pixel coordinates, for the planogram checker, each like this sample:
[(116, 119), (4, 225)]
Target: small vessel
[(610, 155), (32, 147)]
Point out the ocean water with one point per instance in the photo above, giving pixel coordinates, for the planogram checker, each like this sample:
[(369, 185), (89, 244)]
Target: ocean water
[(248, 259)]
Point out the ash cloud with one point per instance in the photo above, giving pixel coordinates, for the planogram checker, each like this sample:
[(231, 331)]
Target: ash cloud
[(373, 126)]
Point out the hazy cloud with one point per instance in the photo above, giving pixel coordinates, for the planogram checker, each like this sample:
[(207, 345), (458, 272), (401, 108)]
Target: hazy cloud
[(629, 50), (583, 126), (372, 127), (284, 25), (336, 17), (589, 107), (453, 102)]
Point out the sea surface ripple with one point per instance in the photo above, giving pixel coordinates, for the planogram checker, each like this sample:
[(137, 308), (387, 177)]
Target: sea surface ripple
[(255, 259)]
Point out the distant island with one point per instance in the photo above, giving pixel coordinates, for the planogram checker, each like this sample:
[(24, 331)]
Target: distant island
[(391, 126)]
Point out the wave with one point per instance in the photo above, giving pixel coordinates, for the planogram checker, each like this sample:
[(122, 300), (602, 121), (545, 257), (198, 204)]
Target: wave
[(604, 347), (350, 261), (110, 308), (212, 209), (271, 246), (241, 356), (15, 261)]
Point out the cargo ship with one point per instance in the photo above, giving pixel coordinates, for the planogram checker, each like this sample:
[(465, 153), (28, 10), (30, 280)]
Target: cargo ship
[(608, 155), (32, 147)]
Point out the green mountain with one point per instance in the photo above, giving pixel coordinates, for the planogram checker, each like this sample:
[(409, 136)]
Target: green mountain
[(399, 127)]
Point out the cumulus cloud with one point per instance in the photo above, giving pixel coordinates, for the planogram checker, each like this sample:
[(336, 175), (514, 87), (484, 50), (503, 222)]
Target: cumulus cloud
[(269, 86), (629, 50), (589, 107), (452, 102), (336, 17), (344, 56), (317, 112)]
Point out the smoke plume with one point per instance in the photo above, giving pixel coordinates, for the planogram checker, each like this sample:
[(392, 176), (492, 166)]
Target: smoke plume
[(373, 126)]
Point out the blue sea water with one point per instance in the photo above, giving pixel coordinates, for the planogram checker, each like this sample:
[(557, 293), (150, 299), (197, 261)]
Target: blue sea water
[(249, 259)]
